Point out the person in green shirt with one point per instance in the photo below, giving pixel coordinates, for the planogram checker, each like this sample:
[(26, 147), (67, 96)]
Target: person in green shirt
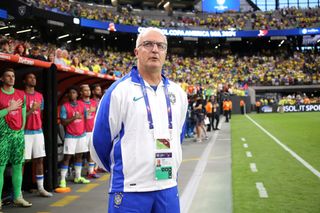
[(12, 121)]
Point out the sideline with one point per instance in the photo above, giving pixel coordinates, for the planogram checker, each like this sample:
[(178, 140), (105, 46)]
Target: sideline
[(295, 155), (192, 186)]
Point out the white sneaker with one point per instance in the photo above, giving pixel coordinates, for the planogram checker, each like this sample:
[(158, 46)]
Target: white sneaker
[(44, 193), (20, 202)]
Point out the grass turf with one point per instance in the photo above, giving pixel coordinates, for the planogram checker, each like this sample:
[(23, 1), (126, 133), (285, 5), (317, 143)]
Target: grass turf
[(291, 186)]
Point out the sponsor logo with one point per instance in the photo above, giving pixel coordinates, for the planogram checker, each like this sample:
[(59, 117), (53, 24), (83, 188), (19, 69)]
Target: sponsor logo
[(65, 68), (301, 108), (112, 27), (25, 61), (220, 5), (137, 99), (196, 33), (118, 199), (263, 32), (266, 109), (5, 57), (221, 2), (311, 31), (304, 31), (172, 98), (77, 70), (22, 10)]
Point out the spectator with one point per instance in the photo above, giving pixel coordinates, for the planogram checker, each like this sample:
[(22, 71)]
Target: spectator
[(35, 54), (58, 58), (20, 50), (51, 57), (5, 46), (65, 57), (75, 62)]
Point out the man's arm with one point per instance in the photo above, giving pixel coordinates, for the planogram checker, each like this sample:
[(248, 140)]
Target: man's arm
[(34, 107), (24, 112), (63, 117), (13, 106), (184, 111), (106, 128)]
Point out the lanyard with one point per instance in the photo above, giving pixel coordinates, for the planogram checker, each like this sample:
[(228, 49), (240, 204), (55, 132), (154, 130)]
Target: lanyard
[(146, 100)]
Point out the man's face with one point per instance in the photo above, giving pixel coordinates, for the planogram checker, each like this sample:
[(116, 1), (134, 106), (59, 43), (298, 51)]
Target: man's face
[(35, 52), (6, 47), (150, 55), (73, 95), (97, 91), (31, 80), (58, 53), (85, 91), (8, 78)]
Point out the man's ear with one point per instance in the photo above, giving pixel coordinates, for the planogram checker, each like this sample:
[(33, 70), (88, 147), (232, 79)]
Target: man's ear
[(136, 52)]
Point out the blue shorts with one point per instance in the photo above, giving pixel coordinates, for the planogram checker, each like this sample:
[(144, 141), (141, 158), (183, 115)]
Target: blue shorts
[(163, 201)]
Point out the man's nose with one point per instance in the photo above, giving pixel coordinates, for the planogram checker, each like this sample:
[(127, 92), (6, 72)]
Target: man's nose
[(155, 48)]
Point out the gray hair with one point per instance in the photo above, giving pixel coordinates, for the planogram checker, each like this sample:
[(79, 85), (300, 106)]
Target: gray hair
[(147, 30)]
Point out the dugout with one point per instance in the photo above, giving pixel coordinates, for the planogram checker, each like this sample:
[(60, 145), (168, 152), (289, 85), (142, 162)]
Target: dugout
[(52, 82)]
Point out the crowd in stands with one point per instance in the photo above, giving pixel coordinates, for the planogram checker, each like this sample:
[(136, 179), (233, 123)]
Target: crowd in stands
[(280, 19), (204, 75), (291, 99), (294, 99)]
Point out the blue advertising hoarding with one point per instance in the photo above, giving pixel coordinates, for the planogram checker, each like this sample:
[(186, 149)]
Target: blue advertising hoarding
[(200, 33), (220, 6), (3, 14)]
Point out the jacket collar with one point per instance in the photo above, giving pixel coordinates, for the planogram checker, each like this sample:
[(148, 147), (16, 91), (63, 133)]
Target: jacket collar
[(134, 74)]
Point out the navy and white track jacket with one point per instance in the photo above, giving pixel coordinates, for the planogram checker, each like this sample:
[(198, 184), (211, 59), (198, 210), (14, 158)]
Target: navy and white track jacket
[(124, 145)]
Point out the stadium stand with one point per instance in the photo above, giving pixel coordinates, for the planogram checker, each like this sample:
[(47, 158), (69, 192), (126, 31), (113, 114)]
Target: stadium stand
[(232, 74), (282, 19)]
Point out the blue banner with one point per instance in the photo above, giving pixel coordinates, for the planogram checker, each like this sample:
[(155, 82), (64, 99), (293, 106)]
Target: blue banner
[(200, 33), (3, 14), (220, 6)]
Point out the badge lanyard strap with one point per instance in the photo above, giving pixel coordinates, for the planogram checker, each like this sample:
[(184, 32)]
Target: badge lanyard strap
[(146, 100)]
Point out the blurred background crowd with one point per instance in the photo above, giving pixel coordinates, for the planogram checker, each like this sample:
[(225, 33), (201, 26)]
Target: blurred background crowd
[(281, 19), (207, 75)]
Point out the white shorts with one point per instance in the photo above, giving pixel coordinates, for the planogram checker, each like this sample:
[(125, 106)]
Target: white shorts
[(34, 146), (75, 145), (89, 139)]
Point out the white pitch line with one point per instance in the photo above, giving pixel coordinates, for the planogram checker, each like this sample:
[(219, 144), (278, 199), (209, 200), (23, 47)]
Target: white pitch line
[(243, 139), (249, 154), (190, 190), (245, 145), (262, 191), (295, 155), (253, 167)]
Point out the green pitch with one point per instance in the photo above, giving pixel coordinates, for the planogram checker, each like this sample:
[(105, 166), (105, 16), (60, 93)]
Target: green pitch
[(291, 187)]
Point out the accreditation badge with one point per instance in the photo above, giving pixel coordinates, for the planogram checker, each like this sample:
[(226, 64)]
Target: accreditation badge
[(163, 160), (162, 144)]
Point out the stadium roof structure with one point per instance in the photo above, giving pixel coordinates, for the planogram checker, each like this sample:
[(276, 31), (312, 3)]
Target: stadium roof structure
[(176, 4)]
